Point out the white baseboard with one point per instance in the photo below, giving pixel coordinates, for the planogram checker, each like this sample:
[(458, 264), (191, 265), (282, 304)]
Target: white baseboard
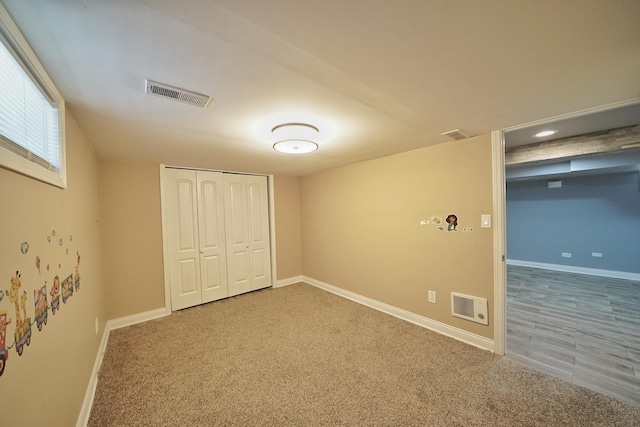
[(121, 322), (439, 327), (85, 410), (288, 281), (573, 269)]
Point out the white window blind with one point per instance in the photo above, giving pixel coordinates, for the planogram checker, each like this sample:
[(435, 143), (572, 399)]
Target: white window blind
[(32, 111), (28, 120)]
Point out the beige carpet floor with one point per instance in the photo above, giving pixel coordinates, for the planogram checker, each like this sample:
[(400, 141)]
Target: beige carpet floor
[(300, 356)]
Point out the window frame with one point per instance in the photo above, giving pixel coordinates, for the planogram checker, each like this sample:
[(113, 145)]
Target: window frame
[(14, 41)]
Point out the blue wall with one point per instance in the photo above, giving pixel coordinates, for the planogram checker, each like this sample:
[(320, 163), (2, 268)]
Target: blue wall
[(587, 214)]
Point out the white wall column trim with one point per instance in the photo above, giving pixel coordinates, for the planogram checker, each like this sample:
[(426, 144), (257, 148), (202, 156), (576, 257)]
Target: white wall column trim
[(499, 246)]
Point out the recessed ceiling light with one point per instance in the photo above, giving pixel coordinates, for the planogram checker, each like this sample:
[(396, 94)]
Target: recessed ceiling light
[(295, 138), (545, 133)]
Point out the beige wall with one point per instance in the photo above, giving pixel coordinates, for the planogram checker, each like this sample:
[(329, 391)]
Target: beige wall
[(355, 227), (47, 383), (132, 228), (361, 228), (288, 227)]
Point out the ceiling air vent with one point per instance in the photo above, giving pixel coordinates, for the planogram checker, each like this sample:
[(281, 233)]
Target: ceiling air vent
[(182, 95), (455, 134)]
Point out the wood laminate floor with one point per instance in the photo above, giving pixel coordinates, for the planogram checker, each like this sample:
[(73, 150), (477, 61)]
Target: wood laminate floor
[(583, 329)]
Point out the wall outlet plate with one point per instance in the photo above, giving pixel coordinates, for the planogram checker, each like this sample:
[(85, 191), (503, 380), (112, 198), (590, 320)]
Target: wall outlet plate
[(432, 297)]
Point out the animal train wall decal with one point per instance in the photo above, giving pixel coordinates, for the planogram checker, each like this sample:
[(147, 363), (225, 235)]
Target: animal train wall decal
[(22, 321)]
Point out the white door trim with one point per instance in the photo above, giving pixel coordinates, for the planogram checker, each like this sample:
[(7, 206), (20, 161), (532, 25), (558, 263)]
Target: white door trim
[(272, 227), (165, 245)]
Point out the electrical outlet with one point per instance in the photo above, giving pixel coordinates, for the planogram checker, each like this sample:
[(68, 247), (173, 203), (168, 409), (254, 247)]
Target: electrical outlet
[(566, 254), (432, 297), (97, 326)]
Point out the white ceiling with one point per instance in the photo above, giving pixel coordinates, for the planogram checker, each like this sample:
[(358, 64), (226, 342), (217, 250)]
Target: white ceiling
[(376, 77)]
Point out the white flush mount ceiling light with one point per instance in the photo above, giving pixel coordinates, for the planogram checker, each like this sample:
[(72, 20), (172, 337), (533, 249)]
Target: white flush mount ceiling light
[(295, 138), (545, 133)]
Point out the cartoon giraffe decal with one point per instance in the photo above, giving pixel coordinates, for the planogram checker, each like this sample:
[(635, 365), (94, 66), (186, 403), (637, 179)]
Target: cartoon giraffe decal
[(23, 302), (22, 333), (13, 297)]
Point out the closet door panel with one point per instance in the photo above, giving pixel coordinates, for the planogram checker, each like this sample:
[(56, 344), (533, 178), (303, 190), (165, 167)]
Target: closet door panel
[(211, 212), (235, 206), (258, 271), (241, 267), (214, 278), (213, 270), (259, 240), (182, 229), (188, 273)]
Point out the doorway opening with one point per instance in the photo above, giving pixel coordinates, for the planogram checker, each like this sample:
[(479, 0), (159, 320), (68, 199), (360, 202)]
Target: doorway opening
[(572, 307)]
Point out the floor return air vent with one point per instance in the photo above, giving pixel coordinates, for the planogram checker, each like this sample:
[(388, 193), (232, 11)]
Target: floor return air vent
[(469, 307), (177, 94)]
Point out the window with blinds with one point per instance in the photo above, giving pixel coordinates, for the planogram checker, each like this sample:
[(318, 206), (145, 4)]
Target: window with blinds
[(31, 126)]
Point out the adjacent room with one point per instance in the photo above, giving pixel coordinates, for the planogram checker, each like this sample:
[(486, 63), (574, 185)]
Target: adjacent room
[(235, 212), (573, 283)]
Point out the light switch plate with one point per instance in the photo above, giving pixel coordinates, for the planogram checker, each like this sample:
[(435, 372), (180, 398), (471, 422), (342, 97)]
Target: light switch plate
[(485, 221)]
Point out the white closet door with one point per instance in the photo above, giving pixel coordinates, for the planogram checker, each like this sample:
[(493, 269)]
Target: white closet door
[(213, 257), (217, 235), (258, 220), (182, 229), (238, 260)]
